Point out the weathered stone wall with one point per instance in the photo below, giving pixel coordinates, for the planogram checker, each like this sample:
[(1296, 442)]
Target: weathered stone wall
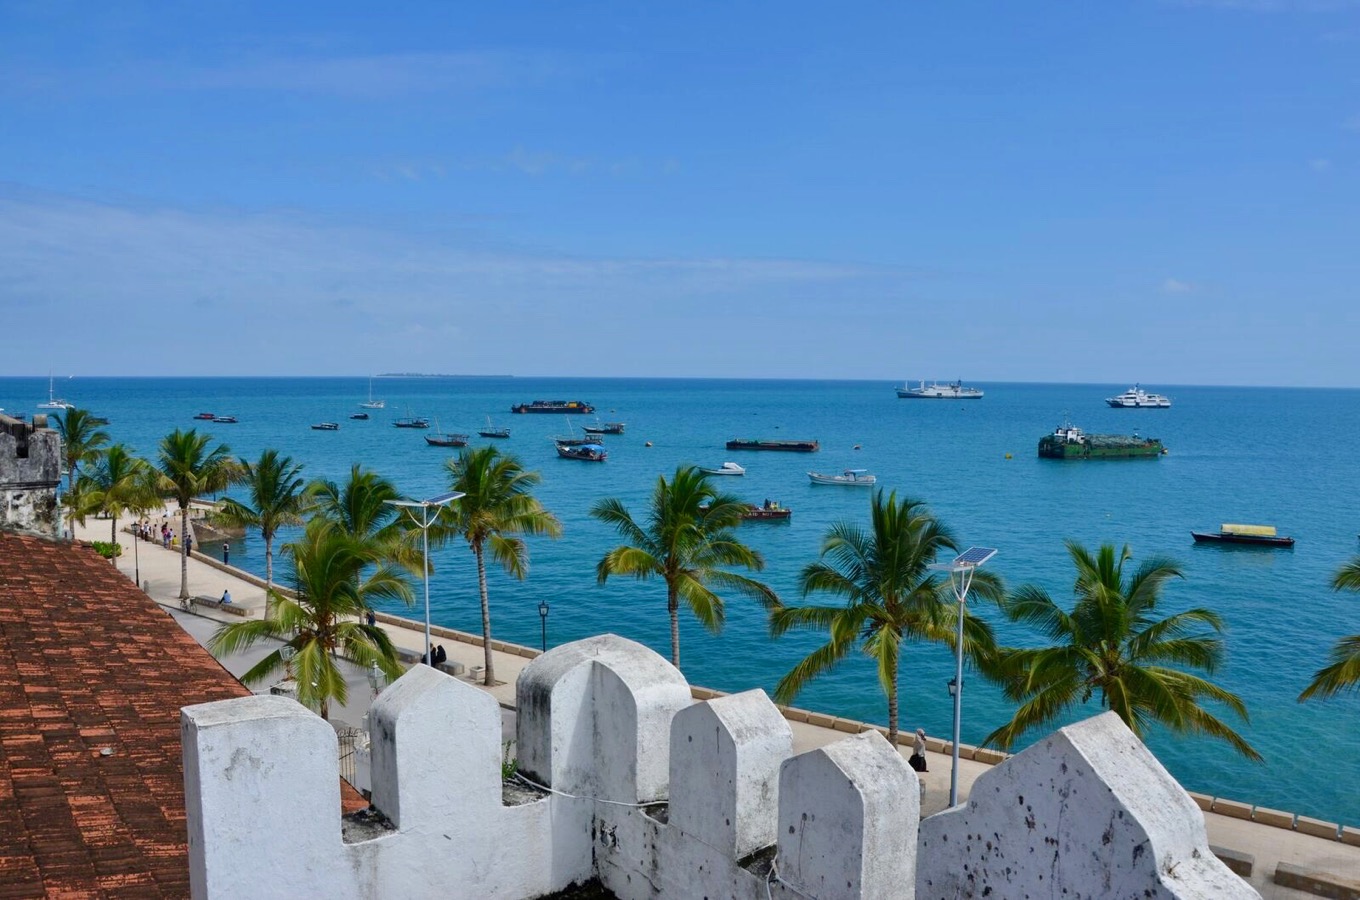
[(30, 470), (661, 797)]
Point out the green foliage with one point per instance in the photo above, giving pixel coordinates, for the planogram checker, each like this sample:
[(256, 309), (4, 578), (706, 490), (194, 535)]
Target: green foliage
[(890, 596), (498, 507), (1342, 674), (509, 764), (687, 542), (190, 468), (1113, 644), (336, 582), (277, 498), (106, 549)]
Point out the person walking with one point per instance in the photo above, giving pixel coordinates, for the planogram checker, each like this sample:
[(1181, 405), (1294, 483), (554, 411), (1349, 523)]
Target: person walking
[(918, 751)]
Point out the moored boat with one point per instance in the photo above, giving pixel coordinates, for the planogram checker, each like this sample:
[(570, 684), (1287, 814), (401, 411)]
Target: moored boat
[(936, 391), (412, 422), (553, 406), (1137, 398), (370, 403), (493, 431), (360, 416), (207, 417), (326, 426), (727, 468), (1069, 442), (853, 477), (225, 420), (1251, 535), (53, 401), (583, 452), (790, 446), (604, 428), (770, 511), (445, 439)]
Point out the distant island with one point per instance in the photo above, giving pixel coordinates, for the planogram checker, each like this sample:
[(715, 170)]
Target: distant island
[(433, 375)]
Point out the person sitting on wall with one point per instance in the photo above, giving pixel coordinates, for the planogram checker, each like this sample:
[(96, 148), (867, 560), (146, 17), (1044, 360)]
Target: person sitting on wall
[(226, 596), (917, 760), (439, 655)]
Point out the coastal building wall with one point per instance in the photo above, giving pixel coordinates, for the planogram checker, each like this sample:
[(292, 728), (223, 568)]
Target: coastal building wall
[(657, 796), (30, 471)]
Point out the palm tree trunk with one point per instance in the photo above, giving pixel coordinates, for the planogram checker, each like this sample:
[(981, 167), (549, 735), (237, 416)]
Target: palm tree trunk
[(673, 607), (489, 672), (113, 531), (268, 563), (184, 553), (892, 706)]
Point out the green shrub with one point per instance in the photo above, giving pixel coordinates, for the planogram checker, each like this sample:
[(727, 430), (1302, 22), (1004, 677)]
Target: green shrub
[(107, 550)]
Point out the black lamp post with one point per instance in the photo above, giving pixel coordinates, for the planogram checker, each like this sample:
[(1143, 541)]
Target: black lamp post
[(543, 616)]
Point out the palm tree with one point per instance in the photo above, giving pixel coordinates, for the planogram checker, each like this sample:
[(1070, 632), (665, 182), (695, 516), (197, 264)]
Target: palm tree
[(277, 498), (1113, 643), (188, 469), (335, 583), (890, 596), (497, 507), (81, 442), (687, 542), (120, 483), (361, 508), (1343, 674)]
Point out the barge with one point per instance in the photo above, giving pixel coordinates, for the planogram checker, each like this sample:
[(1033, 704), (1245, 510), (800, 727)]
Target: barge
[(553, 406), (790, 446), (1070, 442)]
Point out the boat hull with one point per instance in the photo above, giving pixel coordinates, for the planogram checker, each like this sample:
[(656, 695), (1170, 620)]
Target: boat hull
[(582, 454), (494, 434), (1052, 449), (553, 406), (842, 480), (1250, 540), (786, 446), (459, 440)]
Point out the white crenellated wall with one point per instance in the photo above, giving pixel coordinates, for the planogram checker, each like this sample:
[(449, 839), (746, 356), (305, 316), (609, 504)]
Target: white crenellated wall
[(656, 796)]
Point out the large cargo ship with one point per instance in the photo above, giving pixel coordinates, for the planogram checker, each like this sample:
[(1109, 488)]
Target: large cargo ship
[(1070, 442), (553, 406), (792, 446)]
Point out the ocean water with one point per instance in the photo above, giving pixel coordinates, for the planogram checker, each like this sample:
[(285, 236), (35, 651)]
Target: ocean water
[(1267, 455)]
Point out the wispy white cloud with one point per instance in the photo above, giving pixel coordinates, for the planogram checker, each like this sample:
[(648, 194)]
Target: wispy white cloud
[(1320, 165), (1177, 286), (291, 294)]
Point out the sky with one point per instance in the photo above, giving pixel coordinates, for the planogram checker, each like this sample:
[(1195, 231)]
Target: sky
[(1161, 191)]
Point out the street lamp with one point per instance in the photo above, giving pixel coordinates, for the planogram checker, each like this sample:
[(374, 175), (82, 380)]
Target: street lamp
[(377, 679), (964, 566), (423, 523), (543, 615)]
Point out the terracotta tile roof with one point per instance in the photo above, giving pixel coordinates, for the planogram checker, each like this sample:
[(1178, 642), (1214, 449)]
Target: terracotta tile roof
[(89, 663)]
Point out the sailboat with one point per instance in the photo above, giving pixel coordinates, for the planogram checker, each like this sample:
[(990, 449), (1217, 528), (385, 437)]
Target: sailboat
[(493, 431), (371, 403), (53, 401)]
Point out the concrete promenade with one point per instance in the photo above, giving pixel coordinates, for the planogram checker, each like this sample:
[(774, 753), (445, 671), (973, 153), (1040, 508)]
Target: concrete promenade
[(159, 571)]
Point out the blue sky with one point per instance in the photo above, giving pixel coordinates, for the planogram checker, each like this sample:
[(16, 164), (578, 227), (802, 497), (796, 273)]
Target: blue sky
[(1155, 191)]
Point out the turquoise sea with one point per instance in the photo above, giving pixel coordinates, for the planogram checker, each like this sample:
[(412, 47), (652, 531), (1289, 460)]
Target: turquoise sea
[(1264, 455)]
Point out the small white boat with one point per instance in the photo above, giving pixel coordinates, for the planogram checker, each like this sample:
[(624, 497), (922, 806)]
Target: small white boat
[(727, 468), (1137, 398), (370, 403), (937, 391), (53, 401), (854, 477)]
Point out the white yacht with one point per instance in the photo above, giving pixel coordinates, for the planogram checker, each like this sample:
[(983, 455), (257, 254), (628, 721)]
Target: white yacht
[(937, 391), (727, 468), (1137, 398), (371, 403), (53, 401)]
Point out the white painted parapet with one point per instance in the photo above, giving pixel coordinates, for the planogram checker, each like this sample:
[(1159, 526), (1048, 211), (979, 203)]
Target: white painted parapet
[(725, 759), (848, 816), (660, 797), (262, 794), (1087, 812)]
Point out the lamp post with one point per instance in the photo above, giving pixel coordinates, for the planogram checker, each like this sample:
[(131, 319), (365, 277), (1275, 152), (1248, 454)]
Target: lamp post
[(964, 566), (423, 523), (376, 679), (543, 615)]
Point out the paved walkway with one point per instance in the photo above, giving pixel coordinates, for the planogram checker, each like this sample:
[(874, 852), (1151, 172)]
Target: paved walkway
[(159, 571)]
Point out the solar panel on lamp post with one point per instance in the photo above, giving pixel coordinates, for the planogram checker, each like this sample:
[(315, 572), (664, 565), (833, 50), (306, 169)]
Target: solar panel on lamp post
[(964, 565), (423, 523)]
